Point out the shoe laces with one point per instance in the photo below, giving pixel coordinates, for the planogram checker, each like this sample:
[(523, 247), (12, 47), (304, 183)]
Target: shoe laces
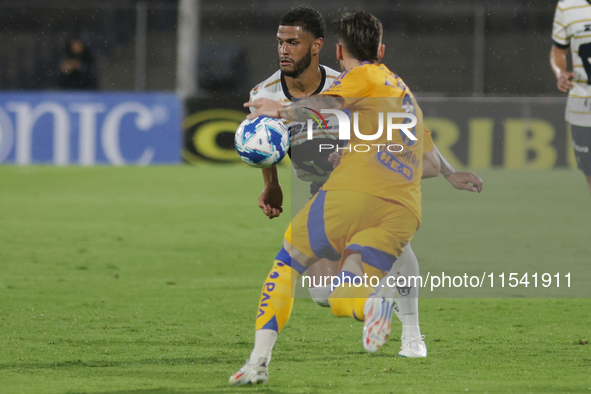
[(413, 343)]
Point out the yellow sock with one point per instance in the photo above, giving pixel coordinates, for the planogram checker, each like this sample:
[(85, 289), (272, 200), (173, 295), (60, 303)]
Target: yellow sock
[(276, 301), (348, 301)]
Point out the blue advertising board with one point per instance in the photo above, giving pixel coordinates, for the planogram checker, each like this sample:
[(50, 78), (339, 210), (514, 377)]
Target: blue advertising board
[(90, 128)]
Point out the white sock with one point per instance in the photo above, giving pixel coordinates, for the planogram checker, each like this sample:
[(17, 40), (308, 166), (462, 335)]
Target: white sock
[(320, 295), (407, 297), (264, 340)]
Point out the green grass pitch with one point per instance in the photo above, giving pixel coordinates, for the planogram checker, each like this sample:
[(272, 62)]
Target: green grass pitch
[(145, 280)]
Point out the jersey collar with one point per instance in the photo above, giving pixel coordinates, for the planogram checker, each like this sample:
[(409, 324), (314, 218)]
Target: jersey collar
[(320, 87)]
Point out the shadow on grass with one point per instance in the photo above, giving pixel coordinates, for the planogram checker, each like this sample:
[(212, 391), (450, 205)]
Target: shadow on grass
[(243, 389), (107, 363)]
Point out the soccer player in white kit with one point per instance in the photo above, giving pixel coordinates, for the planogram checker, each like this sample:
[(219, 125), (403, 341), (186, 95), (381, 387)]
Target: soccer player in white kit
[(572, 29)]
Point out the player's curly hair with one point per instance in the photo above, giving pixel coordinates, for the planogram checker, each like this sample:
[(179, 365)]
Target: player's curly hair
[(308, 18), (361, 34)]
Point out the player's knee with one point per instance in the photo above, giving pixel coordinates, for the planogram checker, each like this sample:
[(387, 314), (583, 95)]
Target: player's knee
[(285, 262), (320, 295)]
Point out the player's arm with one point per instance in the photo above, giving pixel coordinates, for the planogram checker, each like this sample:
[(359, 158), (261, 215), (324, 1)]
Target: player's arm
[(460, 180), (561, 42), (558, 62), (298, 111), (431, 165), (271, 199), (351, 84)]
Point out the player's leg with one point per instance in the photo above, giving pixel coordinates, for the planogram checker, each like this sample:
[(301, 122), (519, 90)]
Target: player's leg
[(320, 274), (276, 302), (375, 232), (356, 297), (404, 275), (334, 218), (581, 137), (274, 310), (350, 288)]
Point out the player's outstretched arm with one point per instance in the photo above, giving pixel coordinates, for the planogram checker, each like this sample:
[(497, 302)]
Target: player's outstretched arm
[(431, 165), (460, 180), (298, 111), (271, 199), (465, 181), (264, 107)]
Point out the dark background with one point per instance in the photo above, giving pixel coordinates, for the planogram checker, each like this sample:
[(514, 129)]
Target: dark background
[(435, 46)]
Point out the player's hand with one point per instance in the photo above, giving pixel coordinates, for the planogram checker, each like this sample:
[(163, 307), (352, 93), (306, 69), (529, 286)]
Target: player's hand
[(335, 159), (565, 81), (271, 201), (465, 181), (264, 107)]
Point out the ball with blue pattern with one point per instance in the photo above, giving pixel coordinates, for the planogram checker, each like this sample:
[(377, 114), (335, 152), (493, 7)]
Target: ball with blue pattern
[(261, 142)]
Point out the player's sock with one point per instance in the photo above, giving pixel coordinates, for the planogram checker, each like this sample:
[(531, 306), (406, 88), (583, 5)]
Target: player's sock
[(275, 304), (320, 295), (276, 301), (407, 298), (347, 300), (264, 340)]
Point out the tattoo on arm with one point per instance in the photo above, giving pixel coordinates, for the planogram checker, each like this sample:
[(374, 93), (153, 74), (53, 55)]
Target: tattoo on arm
[(298, 110)]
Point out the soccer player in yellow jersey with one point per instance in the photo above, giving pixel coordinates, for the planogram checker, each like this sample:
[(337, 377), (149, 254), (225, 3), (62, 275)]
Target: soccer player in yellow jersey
[(368, 209)]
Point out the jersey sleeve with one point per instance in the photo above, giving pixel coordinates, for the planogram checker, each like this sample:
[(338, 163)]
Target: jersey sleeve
[(428, 144), (351, 83), (560, 36), (253, 95)]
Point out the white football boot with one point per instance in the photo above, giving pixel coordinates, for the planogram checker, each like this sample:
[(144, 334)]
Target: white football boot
[(378, 311), (251, 373), (413, 347)]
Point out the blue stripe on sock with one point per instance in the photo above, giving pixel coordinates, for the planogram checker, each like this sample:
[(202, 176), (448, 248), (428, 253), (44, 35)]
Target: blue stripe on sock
[(271, 324), (285, 258), (374, 257), (317, 230)]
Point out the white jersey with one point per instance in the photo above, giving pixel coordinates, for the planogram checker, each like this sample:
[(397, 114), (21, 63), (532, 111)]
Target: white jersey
[(572, 28), (309, 164)]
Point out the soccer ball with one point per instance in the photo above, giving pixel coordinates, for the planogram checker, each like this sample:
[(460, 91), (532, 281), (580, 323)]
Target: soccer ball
[(261, 142)]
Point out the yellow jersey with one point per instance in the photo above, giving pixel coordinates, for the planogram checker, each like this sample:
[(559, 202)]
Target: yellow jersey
[(372, 91)]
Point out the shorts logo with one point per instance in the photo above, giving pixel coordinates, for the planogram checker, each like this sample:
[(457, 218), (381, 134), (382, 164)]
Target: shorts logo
[(404, 291)]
